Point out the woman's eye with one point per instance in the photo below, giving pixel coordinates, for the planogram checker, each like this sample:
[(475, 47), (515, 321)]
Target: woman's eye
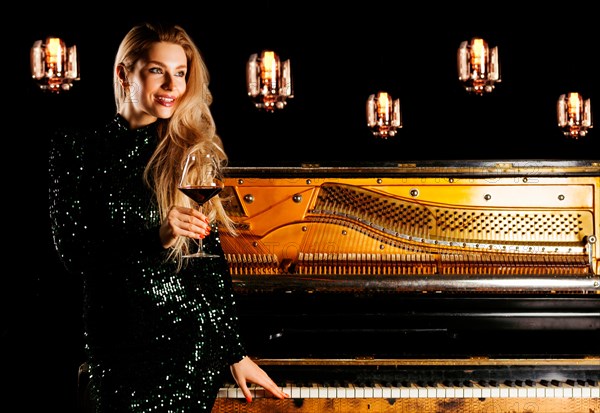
[(180, 74), (157, 70)]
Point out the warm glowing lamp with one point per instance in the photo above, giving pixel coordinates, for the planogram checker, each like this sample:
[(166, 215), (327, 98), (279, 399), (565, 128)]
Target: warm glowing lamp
[(269, 82), (54, 66), (574, 115), (383, 115), (478, 66)]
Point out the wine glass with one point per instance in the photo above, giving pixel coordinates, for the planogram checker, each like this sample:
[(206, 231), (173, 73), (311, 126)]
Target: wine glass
[(199, 182)]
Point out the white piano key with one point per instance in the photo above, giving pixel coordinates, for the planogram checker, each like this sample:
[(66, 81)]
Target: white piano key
[(559, 390), (494, 390), (422, 391), (414, 391), (387, 391), (295, 392), (540, 390), (239, 394), (223, 392), (231, 391), (481, 391), (521, 390), (431, 391), (440, 391), (595, 392), (304, 392), (467, 392), (287, 389), (405, 392), (396, 392), (322, 391), (368, 392), (313, 391), (350, 391), (512, 389), (503, 390), (377, 391), (586, 392), (567, 390), (531, 389), (459, 392), (341, 391), (331, 392), (359, 391), (548, 388), (449, 390)]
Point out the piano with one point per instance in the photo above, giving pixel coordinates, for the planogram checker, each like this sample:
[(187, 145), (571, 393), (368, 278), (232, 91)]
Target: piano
[(470, 286)]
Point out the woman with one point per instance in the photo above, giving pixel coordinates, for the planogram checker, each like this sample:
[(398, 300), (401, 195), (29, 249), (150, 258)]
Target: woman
[(160, 329)]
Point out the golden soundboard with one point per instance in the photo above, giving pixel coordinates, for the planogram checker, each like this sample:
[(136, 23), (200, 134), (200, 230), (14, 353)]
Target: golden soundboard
[(419, 286)]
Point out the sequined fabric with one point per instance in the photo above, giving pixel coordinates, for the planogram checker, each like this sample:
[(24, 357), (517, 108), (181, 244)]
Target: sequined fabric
[(158, 340)]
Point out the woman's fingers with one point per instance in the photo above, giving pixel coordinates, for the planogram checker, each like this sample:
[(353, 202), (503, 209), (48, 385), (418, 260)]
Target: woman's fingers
[(188, 222)]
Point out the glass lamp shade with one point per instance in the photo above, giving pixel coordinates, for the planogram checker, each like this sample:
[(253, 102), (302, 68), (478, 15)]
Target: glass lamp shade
[(574, 114), (383, 115), (54, 66), (478, 66), (268, 81)]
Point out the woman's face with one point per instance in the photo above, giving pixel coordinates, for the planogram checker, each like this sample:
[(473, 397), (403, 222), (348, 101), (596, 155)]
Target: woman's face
[(156, 82)]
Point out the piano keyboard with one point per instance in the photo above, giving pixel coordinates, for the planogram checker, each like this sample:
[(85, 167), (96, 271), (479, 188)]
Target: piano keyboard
[(439, 390)]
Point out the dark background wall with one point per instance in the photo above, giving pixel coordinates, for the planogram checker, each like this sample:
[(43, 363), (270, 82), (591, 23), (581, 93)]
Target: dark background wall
[(338, 58)]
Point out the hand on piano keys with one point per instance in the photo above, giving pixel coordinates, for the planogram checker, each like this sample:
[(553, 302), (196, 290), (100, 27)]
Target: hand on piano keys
[(482, 389)]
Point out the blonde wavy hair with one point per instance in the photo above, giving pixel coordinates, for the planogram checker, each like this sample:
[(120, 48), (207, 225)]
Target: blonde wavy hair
[(191, 127)]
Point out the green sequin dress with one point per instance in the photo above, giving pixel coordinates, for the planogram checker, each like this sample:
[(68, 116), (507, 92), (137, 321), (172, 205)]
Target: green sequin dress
[(158, 340)]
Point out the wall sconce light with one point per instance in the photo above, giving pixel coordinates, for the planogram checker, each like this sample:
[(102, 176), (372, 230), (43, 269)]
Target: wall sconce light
[(53, 65), (383, 115), (478, 66), (269, 82), (574, 115)]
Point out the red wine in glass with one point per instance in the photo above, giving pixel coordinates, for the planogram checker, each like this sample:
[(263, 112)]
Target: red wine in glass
[(199, 183), (200, 194)]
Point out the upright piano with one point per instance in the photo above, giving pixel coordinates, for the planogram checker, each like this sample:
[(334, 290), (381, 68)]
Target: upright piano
[(468, 286)]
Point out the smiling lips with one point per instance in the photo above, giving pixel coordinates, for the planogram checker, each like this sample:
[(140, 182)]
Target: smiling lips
[(166, 100)]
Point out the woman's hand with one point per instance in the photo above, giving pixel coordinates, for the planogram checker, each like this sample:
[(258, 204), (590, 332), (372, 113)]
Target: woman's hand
[(183, 221), (247, 371)]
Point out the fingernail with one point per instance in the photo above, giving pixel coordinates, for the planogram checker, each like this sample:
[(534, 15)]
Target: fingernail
[(248, 399)]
